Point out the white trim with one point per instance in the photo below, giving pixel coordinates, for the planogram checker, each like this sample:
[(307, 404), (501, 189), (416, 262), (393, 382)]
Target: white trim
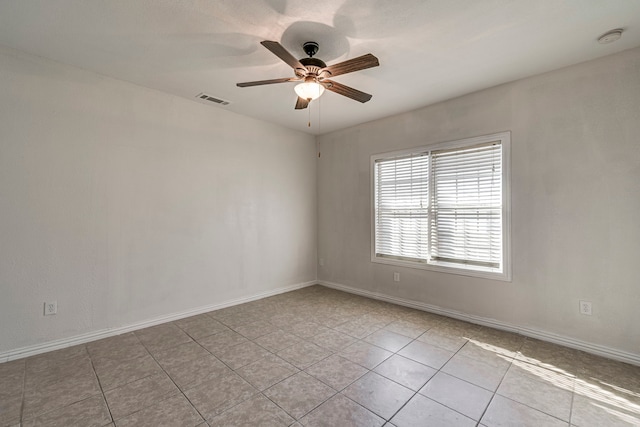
[(597, 349), (505, 141), (32, 350)]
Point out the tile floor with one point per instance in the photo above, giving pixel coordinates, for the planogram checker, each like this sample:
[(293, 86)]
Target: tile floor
[(318, 357)]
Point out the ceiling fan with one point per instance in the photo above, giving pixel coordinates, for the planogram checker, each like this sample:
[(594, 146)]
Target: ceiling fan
[(314, 74)]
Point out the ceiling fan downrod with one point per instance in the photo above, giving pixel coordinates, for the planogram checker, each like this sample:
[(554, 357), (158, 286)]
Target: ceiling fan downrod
[(310, 48)]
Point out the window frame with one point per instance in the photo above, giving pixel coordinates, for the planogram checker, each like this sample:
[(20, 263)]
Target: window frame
[(440, 266)]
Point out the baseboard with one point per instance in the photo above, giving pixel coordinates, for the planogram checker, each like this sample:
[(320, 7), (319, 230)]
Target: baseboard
[(597, 349), (32, 350), (600, 350)]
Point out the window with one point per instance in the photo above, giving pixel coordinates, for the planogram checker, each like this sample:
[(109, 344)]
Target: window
[(444, 207)]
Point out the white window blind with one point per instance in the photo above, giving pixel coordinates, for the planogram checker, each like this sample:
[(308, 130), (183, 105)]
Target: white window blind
[(466, 205), (442, 207), (402, 199)]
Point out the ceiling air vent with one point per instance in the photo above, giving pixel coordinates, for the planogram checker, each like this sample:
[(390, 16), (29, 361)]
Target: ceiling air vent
[(206, 97)]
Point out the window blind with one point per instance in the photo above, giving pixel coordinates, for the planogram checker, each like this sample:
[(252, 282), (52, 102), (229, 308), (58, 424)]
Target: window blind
[(465, 211), (401, 202)]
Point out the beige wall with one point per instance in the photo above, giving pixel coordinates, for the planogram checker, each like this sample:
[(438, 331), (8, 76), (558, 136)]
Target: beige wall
[(125, 204), (575, 202)]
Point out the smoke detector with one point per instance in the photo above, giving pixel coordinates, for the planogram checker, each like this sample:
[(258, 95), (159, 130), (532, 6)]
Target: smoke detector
[(610, 36)]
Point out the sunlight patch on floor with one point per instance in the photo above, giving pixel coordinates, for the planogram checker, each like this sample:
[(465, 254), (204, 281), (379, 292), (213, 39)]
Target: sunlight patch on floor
[(615, 400)]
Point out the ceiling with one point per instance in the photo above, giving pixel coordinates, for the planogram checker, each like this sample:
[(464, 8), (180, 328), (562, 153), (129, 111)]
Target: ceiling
[(429, 50)]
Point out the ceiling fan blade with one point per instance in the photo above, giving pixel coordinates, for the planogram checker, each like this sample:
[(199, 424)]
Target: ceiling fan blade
[(278, 50), (347, 91), (301, 103), (267, 82), (351, 65)]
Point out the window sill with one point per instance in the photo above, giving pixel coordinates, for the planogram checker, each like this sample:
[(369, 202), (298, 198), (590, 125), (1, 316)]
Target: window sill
[(443, 267)]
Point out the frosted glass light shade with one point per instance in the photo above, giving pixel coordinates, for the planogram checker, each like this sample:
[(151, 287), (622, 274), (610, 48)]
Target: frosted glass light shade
[(309, 90)]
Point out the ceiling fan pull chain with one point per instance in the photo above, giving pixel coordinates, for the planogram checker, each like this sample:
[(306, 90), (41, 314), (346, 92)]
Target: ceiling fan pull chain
[(309, 110), (319, 121)]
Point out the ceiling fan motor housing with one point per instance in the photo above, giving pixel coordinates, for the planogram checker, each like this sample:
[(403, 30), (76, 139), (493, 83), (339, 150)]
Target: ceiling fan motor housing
[(313, 65)]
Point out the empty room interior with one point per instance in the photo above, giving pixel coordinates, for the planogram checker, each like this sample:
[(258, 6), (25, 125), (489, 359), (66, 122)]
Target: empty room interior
[(338, 213)]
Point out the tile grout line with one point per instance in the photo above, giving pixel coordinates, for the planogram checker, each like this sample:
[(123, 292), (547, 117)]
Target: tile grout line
[(496, 390), (369, 371), (180, 390), (521, 403), (340, 392), (529, 406), (331, 353), (259, 392), (440, 370), (39, 414), (437, 371), (104, 397), (24, 387), (373, 369), (573, 396), (300, 370)]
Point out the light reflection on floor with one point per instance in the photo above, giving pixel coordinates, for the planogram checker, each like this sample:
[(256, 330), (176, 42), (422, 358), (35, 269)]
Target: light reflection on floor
[(618, 401)]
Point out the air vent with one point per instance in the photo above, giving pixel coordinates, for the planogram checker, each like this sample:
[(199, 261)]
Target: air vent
[(206, 97)]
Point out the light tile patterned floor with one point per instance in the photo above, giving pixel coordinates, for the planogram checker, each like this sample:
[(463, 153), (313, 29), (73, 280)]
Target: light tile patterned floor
[(318, 357)]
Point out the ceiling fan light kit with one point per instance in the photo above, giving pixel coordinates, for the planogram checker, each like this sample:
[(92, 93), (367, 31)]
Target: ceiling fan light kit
[(309, 90), (313, 74)]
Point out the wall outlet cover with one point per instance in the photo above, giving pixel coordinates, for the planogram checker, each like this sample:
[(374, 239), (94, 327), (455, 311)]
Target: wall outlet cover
[(585, 308), (50, 307)]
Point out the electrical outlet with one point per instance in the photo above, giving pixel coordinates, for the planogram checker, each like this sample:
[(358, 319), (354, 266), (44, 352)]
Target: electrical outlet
[(585, 308), (396, 277), (321, 261), (50, 308)]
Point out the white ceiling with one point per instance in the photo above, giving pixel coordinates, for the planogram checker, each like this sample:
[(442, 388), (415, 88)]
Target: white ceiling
[(429, 50)]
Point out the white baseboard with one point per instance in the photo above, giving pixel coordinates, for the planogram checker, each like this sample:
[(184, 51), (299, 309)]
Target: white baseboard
[(32, 350), (597, 349), (600, 350)]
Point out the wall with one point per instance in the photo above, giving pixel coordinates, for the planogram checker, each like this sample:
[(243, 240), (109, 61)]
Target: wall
[(575, 191), (126, 204)]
